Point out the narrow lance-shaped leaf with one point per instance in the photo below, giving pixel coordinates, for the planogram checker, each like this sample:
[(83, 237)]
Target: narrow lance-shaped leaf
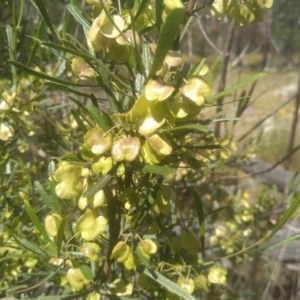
[(78, 120), (158, 13), (41, 75), (35, 45), (146, 53), (286, 216), (226, 120), (276, 245), (198, 127), (168, 284), (11, 50), (62, 87), (55, 199), (60, 234), (161, 170), (168, 34), (14, 289), (238, 86), (79, 15), (23, 255), (143, 259), (195, 70), (140, 9), (41, 6), (97, 117), (200, 213), (51, 168), (46, 198), (35, 220), (87, 272), (153, 169), (32, 247), (102, 182), (90, 60)]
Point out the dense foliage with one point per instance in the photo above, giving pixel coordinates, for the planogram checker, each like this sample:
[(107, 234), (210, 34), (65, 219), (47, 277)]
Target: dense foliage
[(127, 207)]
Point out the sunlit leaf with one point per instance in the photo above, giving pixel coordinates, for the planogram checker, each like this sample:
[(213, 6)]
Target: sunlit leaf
[(40, 4), (288, 214), (238, 86), (35, 220), (168, 284), (168, 34), (200, 213)]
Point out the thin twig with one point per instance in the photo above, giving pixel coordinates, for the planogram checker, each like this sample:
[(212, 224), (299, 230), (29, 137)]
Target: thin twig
[(257, 96), (266, 170), (224, 65), (241, 55), (294, 124), (207, 38), (245, 104), (268, 116)]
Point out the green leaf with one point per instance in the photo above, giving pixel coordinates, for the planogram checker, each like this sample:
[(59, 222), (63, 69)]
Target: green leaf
[(87, 272), (215, 116), (72, 50), (58, 297), (78, 120), (201, 219), (161, 170), (238, 86), (197, 127), (11, 51), (46, 198), (51, 169), (153, 169), (140, 9), (60, 234), (43, 11), (79, 15), (226, 120), (58, 86), (55, 199), (41, 75), (35, 220), (14, 289), (205, 147), (146, 56), (168, 284), (168, 34), (292, 210), (35, 45), (97, 117), (23, 255), (31, 247), (101, 68), (143, 259), (102, 182), (159, 5), (195, 70), (277, 244)]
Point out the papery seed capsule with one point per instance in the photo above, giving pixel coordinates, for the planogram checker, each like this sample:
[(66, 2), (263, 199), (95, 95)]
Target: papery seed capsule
[(126, 148)]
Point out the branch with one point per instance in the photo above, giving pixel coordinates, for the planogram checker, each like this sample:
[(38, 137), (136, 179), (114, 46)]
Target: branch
[(266, 170), (224, 65), (268, 116), (207, 38), (295, 123)]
